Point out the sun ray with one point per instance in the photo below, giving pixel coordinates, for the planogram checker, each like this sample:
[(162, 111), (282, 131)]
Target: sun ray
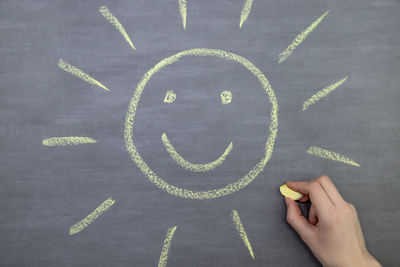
[(245, 11), (80, 74), (79, 226), (300, 38), (114, 21), (182, 9), (242, 233), (322, 93), (167, 243), (193, 166), (68, 141), (327, 154)]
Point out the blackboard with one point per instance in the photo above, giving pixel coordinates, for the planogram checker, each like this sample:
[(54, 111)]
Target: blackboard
[(50, 185)]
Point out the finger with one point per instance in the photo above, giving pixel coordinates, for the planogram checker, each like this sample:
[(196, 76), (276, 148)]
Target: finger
[(330, 189), (312, 215), (298, 222), (317, 195), (304, 198)]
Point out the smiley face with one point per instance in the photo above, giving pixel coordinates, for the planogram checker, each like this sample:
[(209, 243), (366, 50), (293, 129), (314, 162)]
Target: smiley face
[(226, 97), (170, 96)]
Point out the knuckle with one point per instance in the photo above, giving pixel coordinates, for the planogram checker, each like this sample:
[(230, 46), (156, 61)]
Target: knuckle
[(349, 209), (289, 218), (314, 185), (352, 208), (324, 178)]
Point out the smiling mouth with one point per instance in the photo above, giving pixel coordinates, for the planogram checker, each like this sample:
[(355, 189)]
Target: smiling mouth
[(193, 166)]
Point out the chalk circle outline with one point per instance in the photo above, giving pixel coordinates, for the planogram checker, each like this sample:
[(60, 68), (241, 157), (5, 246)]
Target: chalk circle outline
[(218, 192)]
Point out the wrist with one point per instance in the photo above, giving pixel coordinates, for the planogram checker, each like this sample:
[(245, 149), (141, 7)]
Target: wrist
[(365, 260)]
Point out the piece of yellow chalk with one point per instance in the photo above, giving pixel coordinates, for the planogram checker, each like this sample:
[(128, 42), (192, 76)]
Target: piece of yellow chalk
[(287, 192)]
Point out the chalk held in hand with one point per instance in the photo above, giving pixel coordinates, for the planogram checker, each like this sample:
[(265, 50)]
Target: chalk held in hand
[(287, 192)]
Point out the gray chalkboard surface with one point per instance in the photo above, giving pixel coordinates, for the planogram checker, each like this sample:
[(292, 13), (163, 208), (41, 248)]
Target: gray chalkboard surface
[(145, 133)]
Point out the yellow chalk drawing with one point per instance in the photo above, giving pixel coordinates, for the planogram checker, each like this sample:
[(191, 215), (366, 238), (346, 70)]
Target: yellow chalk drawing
[(322, 93), (182, 10), (80, 74), (225, 190), (192, 166), (226, 97), (245, 11), (300, 38), (79, 226), (167, 243), (242, 233), (327, 154), (170, 97), (114, 21), (68, 141)]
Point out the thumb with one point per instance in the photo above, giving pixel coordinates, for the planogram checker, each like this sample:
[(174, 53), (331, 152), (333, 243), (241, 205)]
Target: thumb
[(298, 221)]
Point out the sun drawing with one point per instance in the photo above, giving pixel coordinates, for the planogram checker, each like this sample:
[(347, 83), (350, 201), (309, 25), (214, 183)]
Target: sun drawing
[(226, 97)]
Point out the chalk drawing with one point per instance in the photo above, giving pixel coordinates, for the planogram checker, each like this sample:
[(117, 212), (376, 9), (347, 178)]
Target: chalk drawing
[(182, 9), (193, 166), (226, 97), (167, 243), (79, 226), (114, 21), (300, 38), (218, 192), (242, 233), (80, 74), (327, 154), (68, 141), (245, 11), (170, 97), (322, 93)]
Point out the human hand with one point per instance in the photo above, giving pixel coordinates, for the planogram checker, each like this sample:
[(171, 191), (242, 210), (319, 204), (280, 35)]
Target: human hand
[(332, 231)]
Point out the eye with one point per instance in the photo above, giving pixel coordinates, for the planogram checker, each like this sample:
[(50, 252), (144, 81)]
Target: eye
[(170, 97), (226, 97)]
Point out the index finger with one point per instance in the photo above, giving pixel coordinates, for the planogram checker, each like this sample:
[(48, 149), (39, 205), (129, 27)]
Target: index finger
[(317, 195), (330, 190)]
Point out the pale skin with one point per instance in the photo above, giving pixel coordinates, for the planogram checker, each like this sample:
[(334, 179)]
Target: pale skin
[(332, 231)]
